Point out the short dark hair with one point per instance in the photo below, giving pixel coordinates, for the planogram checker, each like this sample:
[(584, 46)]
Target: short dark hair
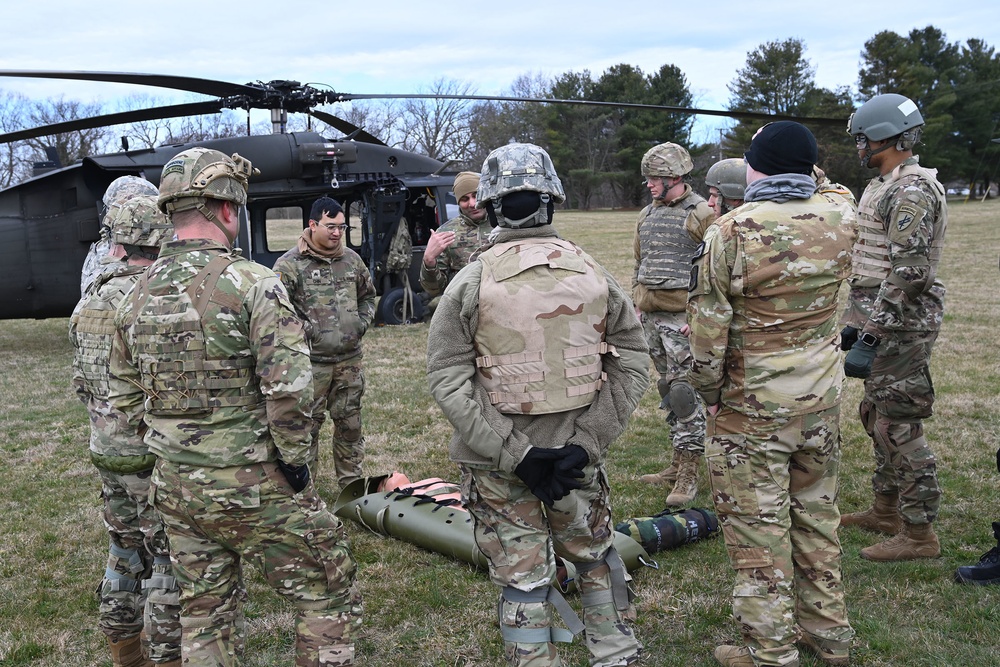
[(331, 207)]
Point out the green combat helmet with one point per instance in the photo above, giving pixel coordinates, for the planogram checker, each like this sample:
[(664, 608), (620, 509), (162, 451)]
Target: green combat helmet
[(729, 176), (666, 160), (883, 117), (139, 226), (519, 187)]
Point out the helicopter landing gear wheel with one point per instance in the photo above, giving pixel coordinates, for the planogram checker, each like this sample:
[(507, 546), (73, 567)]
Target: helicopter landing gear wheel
[(391, 306)]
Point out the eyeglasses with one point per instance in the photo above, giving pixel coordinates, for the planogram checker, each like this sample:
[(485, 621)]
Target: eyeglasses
[(860, 140), (335, 228), (656, 180)]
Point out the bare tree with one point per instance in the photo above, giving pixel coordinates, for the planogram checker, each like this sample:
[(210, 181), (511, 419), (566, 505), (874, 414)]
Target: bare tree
[(15, 157), (439, 127), (69, 146)]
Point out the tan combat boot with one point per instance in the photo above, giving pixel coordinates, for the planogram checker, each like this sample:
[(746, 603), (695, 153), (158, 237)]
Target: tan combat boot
[(665, 477), (128, 652), (917, 540), (733, 656), (687, 479), (882, 517), (827, 652)]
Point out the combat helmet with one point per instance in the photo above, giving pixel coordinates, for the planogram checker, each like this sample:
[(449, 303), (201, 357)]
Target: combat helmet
[(126, 187), (197, 174), (729, 176), (886, 116), (519, 186), (669, 159), (138, 223)]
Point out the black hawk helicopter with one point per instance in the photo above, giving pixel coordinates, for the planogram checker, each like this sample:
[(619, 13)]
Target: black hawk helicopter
[(48, 222)]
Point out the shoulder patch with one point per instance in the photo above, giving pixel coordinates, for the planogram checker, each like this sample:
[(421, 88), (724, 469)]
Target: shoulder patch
[(906, 215)]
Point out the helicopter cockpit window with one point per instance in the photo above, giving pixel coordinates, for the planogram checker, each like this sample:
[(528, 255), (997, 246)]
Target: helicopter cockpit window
[(282, 226)]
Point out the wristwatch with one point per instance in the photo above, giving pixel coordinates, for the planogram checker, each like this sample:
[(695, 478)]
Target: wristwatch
[(869, 339)]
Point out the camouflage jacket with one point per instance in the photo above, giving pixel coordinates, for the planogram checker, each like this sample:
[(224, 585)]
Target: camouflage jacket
[(698, 218), (485, 438), (91, 330), (334, 297), (248, 325), (763, 303), (908, 211), (469, 235)]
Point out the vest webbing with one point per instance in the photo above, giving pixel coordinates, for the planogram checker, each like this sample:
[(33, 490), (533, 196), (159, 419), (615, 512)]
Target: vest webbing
[(666, 248), (177, 375)]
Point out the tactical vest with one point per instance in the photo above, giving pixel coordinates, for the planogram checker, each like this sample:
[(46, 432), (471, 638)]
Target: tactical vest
[(871, 264), (542, 313), (177, 374), (95, 329), (665, 247)]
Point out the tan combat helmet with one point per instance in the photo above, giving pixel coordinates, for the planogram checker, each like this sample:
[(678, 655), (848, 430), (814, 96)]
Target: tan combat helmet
[(666, 160), (198, 174), (139, 226)]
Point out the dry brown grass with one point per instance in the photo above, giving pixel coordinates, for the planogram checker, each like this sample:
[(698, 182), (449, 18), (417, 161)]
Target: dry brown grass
[(423, 609)]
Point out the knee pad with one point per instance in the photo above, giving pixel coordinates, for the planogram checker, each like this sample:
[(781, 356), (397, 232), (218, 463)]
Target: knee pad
[(532, 610), (682, 399), (132, 562), (615, 582)]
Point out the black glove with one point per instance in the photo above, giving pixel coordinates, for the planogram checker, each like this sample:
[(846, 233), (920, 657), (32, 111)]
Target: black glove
[(567, 471), (859, 360), (297, 476), (536, 471), (848, 337)]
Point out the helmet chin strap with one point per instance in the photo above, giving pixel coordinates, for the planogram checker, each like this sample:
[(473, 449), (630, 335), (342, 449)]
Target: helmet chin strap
[(869, 153), (205, 211)]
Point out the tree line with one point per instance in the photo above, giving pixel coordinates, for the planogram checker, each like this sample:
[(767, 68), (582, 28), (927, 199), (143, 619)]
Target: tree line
[(597, 150)]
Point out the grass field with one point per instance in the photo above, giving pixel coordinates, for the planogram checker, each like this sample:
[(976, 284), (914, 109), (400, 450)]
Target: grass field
[(422, 609)]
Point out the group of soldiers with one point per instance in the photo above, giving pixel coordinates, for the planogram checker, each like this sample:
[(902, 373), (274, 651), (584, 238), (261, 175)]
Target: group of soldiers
[(208, 377)]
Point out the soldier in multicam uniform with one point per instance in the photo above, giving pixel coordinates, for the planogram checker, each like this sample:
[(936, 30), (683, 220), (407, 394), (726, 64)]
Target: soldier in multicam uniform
[(332, 292), (893, 317), (138, 590), (763, 312), (450, 247), (104, 252), (727, 183), (666, 236), (538, 362), (210, 343)]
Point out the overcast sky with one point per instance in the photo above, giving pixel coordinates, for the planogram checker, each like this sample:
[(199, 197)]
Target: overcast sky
[(396, 46)]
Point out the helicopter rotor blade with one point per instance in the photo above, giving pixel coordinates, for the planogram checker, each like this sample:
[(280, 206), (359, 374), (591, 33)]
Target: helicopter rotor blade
[(139, 115), (185, 83), (346, 127), (751, 115)]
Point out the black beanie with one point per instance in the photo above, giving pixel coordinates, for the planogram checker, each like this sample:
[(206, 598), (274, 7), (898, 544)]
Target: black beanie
[(783, 147)]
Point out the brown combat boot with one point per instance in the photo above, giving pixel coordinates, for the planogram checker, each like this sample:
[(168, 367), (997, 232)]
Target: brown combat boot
[(733, 656), (128, 652), (882, 517), (665, 477), (917, 540), (687, 479)]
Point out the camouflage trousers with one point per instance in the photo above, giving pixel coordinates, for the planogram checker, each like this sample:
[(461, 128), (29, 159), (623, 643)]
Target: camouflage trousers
[(338, 389), (898, 395), (671, 354), (216, 517), (138, 590), (521, 539), (774, 484)]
